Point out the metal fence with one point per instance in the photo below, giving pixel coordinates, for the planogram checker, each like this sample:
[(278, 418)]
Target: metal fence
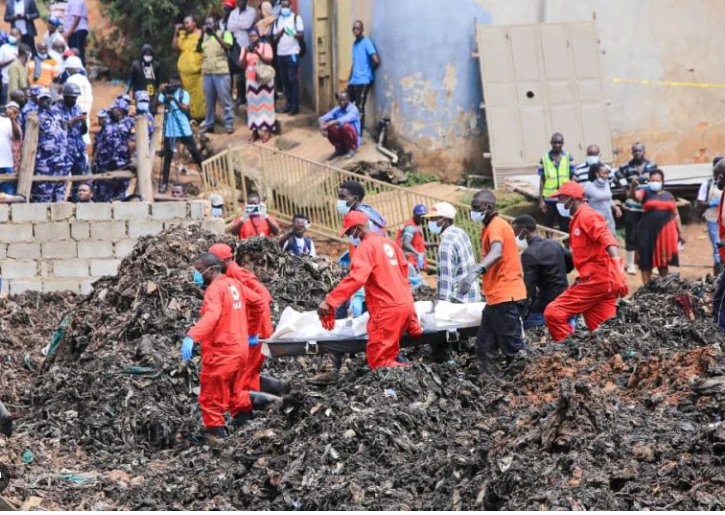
[(292, 184)]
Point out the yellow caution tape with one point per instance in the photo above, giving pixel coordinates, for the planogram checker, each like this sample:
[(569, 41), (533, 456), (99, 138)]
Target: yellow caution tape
[(668, 83)]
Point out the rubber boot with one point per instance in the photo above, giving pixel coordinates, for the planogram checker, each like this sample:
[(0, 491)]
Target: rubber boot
[(269, 384), (631, 270), (242, 418), (262, 401), (216, 435)]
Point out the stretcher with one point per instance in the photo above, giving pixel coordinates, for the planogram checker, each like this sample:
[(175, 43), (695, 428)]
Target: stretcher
[(300, 334)]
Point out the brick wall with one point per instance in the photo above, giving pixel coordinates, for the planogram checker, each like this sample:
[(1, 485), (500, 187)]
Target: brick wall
[(66, 247)]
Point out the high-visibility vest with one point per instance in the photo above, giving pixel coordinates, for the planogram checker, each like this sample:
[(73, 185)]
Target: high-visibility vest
[(555, 178)]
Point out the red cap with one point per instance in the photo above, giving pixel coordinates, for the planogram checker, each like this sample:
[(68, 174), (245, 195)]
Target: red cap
[(571, 189), (221, 250), (352, 219), (68, 53), (230, 3)]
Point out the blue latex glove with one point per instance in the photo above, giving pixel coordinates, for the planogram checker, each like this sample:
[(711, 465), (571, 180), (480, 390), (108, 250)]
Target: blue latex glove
[(421, 261), (253, 341), (357, 306), (415, 280), (187, 347), (714, 202)]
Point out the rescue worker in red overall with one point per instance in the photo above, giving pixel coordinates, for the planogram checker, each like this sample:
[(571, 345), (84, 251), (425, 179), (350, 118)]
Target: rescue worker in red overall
[(410, 238), (596, 257), (255, 221), (222, 331), (254, 381), (378, 265)]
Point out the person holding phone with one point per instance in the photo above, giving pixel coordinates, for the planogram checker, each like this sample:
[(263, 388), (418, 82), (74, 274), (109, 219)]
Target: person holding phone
[(214, 47), (75, 121), (186, 39), (255, 221)]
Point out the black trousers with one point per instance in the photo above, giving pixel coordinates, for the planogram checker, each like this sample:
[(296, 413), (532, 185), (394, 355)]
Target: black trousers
[(501, 329), (631, 220), (359, 96), (189, 143), (29, 40), (78, 40), (552, 217)]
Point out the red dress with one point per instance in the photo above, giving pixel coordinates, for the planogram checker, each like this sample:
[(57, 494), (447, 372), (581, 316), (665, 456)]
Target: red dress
[(657, 240)]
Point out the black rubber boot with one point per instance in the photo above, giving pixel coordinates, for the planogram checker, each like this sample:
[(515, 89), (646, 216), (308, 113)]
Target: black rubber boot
[(241, 418), (216, 435), (274, 386), (6, 421), (262, 401)]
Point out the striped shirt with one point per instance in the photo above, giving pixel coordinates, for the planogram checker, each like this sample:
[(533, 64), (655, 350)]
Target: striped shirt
[(455, 260)]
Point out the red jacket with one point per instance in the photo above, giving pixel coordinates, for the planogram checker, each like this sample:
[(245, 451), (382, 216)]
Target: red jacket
[(418, 241), (378, 265), (589, 238), (249, 280), (222, 329), (255, 226)]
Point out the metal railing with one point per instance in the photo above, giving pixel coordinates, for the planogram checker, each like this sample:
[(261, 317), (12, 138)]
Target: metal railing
[(291, 184)]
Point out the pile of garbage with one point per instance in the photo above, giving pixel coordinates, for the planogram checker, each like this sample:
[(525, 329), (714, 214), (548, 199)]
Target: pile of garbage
[(629, 417)]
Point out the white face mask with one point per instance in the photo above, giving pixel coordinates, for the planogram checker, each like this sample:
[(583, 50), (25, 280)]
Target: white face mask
[(655, 186), (148, 58), (563, 211), (342, 207), (601, 181), (434, 228), (592, 160), (477, 216), (522, 243)]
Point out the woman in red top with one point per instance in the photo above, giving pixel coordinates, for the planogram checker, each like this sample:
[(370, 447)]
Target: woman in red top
[(255, 221), (659, 231)]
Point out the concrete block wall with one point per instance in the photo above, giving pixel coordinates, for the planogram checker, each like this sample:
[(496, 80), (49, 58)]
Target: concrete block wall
[(66, 247)]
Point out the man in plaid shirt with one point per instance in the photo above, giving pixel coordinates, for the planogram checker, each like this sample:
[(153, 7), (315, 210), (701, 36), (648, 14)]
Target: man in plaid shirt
[(455, 255)]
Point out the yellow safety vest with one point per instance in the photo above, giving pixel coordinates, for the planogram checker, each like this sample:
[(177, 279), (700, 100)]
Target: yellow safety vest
[(555, 178)]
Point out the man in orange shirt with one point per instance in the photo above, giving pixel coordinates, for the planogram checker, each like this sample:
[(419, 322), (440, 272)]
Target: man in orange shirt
[(596, 257), (503, 284), (43, 70), (223, 333), (255, 221), (254, 381), (378, 265), (410, 238)]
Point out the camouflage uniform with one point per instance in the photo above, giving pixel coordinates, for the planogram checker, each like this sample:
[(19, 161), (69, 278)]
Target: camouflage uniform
[(51, 155), (114, 148), (76, 155)]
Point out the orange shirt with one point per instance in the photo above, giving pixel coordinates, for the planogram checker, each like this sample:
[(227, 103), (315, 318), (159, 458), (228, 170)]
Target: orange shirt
[(589, 238), (255, 226), (49, 70), (504, 281), (418, 242), (378, 265)]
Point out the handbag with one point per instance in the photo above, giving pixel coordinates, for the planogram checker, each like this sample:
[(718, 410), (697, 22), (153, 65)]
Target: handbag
[(265, 73)]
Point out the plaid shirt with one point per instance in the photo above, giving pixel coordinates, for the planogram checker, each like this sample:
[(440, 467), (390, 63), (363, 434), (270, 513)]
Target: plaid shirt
[(455, 260)]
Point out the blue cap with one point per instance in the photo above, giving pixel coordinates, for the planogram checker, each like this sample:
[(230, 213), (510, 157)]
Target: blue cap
[(54, 20), (142, 96), (34, 90), (102, 113), (420, 210), (44, 92), (121, 104)]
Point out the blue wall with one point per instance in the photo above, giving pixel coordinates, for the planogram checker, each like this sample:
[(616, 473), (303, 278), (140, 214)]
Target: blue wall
[(428, 81)]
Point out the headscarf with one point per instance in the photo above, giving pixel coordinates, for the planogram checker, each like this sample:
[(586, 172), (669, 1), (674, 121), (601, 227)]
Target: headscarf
[(264, 26)]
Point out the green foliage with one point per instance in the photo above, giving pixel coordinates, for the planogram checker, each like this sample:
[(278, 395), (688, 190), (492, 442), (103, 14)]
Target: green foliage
[(152, 21), (415, 178)]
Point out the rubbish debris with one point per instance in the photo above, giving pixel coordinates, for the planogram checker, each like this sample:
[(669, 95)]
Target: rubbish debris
[(628, 417), (380, 170)]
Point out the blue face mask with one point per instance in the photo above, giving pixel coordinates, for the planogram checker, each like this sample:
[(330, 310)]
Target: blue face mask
[(285, 11), (142, 107), (434, 228), (655, 186), (216, 212), (342, 207), (355, 241), (478, 216), (12, 40), (563, 211), (198, 279)]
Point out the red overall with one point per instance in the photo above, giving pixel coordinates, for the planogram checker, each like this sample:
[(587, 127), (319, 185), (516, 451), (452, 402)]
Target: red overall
[(593, 293), (222, 331), (418, 242), (265, 329), (378, 265), (254, 226)]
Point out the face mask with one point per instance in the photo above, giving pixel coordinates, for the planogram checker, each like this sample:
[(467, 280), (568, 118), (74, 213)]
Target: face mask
[(434, 228), (216, 212), (12, 40), (601, 181), (198, 279), (142, 106), (522, 243), (148, 58), (563, 211), (286, 11), (477, 216), (655, 186), (354, 240), (592, 160), (43, 56), (69, 101), (342, 207)]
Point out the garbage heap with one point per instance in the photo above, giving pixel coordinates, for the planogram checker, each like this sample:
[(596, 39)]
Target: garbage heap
[(628, 417)]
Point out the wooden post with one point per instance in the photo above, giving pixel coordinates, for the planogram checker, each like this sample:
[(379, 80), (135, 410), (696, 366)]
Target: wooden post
[(30, 150), (144, 185)]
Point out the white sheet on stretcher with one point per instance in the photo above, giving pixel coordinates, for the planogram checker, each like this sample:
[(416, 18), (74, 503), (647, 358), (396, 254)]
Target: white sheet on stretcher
[(296, 326)]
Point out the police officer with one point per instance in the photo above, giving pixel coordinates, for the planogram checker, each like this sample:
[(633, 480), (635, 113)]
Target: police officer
[(51, 155), (117, 144), (31, 106), (75, 121), (143, 108), (100, 149)]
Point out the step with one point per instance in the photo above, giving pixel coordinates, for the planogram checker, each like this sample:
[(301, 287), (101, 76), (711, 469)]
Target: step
[(285, 122)]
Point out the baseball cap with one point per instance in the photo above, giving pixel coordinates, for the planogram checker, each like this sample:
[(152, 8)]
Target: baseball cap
[(44, 92), (353, 219), (216, 200), (571, 189), (221, 250), (420, 210), (442, 210), (54, 20)]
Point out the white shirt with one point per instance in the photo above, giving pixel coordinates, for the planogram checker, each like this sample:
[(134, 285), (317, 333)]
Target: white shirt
[(49, 39), (6, 143), (85, 101), (20, 24), (8, 53), (288, 45), (708, 191), (301, 245), (239, 24)]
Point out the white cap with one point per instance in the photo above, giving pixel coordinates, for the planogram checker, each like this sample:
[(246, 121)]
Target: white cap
[(216, 200), (442, 210), (74, 62)]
